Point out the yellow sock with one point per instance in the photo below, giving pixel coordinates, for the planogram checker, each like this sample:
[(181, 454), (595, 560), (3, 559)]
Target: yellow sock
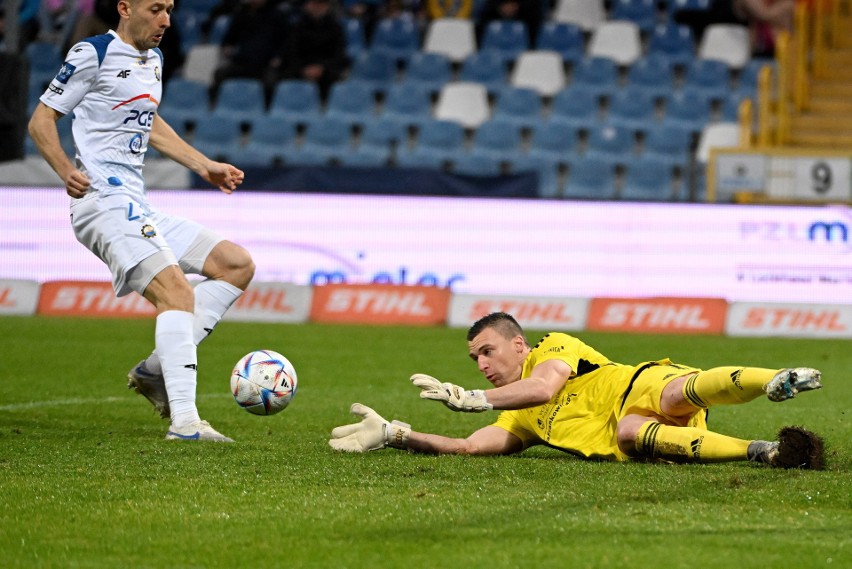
[(688, 444), (726, 385)]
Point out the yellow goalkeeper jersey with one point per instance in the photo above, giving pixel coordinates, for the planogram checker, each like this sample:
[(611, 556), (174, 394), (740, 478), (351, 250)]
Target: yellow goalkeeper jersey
[(582, 417)]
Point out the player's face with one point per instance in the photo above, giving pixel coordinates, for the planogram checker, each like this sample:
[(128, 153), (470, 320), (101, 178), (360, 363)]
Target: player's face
[(147, 21), (500, 359)]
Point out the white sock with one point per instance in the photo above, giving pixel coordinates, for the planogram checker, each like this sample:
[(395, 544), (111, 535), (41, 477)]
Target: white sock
[(212, 300), (173, 340)]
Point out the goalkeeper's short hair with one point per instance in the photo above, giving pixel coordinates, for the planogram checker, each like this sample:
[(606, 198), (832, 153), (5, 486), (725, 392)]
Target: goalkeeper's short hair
[(504, 323)]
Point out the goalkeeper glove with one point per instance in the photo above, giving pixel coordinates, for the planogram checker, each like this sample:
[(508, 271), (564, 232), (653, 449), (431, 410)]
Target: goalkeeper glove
[(372, 432), (453, 396)]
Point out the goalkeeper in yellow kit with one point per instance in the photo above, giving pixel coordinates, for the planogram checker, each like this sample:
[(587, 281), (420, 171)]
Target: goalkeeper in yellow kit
[(566, 395)]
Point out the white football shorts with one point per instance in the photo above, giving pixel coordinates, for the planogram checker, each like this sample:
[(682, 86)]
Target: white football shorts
[(136, 241)]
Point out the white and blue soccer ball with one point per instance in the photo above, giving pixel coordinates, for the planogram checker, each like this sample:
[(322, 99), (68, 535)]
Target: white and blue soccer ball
[(264, 382)]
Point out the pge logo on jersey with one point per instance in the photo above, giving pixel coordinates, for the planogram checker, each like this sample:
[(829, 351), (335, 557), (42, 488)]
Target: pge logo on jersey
[(65, 72), (142, 118)]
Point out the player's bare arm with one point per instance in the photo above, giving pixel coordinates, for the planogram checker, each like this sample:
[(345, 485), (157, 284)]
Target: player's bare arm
[(164, 139), (42, 128), (488, 440)]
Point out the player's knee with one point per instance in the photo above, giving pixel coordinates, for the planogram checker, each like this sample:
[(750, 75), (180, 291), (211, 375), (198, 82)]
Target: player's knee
[(627, 431), (231, 263)]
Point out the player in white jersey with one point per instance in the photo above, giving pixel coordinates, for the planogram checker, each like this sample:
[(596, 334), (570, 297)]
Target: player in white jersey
[(112, 84)]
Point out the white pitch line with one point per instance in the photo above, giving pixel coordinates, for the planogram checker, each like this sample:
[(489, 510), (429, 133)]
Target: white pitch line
[(81, 401)]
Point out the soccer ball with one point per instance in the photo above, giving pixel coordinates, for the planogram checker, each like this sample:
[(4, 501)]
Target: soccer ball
[(263, 382)]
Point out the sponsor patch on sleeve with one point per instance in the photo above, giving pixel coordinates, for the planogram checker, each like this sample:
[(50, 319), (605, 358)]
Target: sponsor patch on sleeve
[(65, 72)]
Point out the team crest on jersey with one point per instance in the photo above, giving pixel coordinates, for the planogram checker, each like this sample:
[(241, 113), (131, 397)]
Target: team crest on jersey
[(149, 231), (157, 72), (136, 143), (65, 72)]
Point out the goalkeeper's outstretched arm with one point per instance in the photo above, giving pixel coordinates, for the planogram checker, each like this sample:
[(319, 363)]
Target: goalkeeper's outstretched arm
[(488, 440)]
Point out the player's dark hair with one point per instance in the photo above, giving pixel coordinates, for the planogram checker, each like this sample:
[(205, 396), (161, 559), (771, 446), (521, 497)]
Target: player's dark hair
[(504, 323)]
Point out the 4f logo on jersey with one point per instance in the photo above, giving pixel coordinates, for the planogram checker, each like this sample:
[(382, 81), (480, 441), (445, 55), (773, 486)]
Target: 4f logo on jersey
[(65, 72), (143, 118), (124, 74)]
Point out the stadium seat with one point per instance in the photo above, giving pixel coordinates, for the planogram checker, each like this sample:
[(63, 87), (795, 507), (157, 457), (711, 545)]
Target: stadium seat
[(351, 101), (217, 136), (728, 43), (432, 70), (241, 99), (647, 179), (588, 14), (609, 143), (453, 37), (219, 28), (374, 68), (631, 108), (437, 142), (643, 13), (521, 106), (549, 182), (597, 73), (687, 109), (375, 144), (497, 139), (296, 100), (326, 140), (184, 102), (397, 38), (506, 38), (201, 63), (590, 179), (673, 41), (747, 77), (577, 106), (553, 141), (675, 6), (709, 76), (563, 38), (45, 60), (473, 164), (731, 105), (616, 40), (407, 104), (486, 68), (669, 143), (543, 71), (356, 40), (652, 74), (271, 139), (463, 102), (188, 25), (717, 135)]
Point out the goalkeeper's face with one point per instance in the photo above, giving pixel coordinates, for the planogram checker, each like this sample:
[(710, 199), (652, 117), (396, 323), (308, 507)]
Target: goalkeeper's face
[(500, 359)]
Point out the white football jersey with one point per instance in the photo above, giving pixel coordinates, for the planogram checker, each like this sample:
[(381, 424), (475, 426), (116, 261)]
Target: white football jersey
[(113, 90)]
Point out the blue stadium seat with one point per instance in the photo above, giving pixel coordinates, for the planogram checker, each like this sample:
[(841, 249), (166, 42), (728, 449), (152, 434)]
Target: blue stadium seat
[(325, 141), (688, 109), (675, 6), (398, 38), (597, 73), (507, 38), (748, 75), (217, 136), (710, 76), (669, 143), (653, 74), (375, 144), (188, 25), (219, 29), (375, 68), (184, 102), (564, 38), (590, 179), (241, 99), (45, 60), (486, 68), (519, 105), (643, 13), (648, 179), (576, 106), (407, 104), (474, 164), (498, 139), (431, 70), (271, 139), (437, 142), (731, 105), (632, 108), (554, 141), (351, 101), (610, 143), (549, 182), (356, 41), (296, 100), (674, 41)]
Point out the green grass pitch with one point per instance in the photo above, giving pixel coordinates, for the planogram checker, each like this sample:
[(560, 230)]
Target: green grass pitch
[(86, 479)]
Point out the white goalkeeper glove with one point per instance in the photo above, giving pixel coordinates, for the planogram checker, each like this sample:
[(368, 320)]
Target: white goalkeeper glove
[(453, 396), (372, 432)]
